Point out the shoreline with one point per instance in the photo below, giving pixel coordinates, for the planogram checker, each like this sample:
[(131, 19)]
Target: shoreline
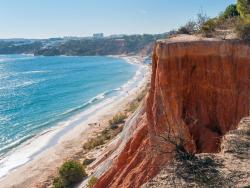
[(64, 141)]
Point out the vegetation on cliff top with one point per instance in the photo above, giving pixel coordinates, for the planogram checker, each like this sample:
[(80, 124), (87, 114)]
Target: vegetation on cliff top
[(243, 6), (235, 19)]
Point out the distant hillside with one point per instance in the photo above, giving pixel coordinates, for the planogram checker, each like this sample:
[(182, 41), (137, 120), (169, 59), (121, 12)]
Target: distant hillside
[(16, 47), (128, 44)]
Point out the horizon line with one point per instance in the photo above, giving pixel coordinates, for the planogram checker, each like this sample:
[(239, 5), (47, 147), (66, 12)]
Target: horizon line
[(78, 36)]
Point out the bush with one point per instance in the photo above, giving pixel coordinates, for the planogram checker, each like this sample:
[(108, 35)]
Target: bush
[(243, 31), (229, 23), (191, 27), (201, 20), (188, 28), (106, 134), (208, 27), (231, 11), (117, 119), (183, 30), (94, 142), (243, 6), (58, 183), (92, 181), (71, 173)]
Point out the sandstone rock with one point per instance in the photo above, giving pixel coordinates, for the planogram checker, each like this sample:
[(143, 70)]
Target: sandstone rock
[(200, 89)]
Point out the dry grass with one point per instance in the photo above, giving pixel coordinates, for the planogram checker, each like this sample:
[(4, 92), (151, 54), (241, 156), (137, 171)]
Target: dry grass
[(202, 171), (118, 119), (136, 103), (107, 134), (92, 181)]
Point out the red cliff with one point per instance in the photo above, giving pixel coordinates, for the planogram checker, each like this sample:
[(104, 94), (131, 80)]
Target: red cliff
[(200, 89)]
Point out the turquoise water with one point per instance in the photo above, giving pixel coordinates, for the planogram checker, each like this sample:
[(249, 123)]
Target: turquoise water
[(38, 92)]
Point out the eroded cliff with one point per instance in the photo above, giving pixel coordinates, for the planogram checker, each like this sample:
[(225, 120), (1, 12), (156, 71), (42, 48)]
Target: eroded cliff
[(200, 89)]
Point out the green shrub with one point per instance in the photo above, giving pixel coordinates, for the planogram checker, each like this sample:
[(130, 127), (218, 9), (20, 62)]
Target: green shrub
[(188, 28), (208, 27), (106, 134), (71, 173), (58, 183), (92, 181), (243, 6), (191, 27), (94, 142), (183, 30), (226, 23), (231, 11), (118, 118)]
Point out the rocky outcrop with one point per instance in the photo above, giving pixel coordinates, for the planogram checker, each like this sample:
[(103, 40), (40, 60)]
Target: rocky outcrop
[(199, 91), (229, 168)]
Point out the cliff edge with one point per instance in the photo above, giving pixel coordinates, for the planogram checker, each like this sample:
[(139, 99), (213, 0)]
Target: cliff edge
[(199, 92)]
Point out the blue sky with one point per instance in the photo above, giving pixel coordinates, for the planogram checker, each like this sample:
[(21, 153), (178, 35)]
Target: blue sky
[(57, 18)]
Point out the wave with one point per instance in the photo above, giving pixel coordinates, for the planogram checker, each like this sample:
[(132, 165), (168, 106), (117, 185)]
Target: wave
[(5, 75), (25, 84), (5, 59), (2, 60), (14, 144), (67, 120), (93, 100), (4, 118), (29, 55), (11, 86), (58, 118), (34, 72)]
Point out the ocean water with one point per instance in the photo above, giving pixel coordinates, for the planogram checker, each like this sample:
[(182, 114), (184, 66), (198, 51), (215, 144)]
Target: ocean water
[(36, 93)]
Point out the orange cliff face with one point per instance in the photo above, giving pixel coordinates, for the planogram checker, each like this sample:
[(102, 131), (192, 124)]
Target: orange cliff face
[(200, 90)]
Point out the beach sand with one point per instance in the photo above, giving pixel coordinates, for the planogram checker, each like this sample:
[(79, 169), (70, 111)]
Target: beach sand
[(45, 163)]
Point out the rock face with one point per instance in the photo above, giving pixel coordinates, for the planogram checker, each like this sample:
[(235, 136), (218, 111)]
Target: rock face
[(200, 89), (229, 168)]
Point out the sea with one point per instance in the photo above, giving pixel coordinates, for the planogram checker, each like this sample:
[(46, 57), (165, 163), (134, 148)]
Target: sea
[(38, 92)]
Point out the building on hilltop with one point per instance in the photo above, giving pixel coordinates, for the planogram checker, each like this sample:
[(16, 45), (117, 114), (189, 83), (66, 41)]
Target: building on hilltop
[(98, 35)]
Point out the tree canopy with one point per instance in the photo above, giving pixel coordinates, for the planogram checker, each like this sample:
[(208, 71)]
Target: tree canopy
[(243, 6), (231, 11)]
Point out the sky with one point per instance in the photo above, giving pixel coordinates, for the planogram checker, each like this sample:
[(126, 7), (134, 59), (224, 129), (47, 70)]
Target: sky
[(59, 18)]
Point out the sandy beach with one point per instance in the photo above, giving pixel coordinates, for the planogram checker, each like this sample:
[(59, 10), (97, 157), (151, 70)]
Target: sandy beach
[(33, 166)]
